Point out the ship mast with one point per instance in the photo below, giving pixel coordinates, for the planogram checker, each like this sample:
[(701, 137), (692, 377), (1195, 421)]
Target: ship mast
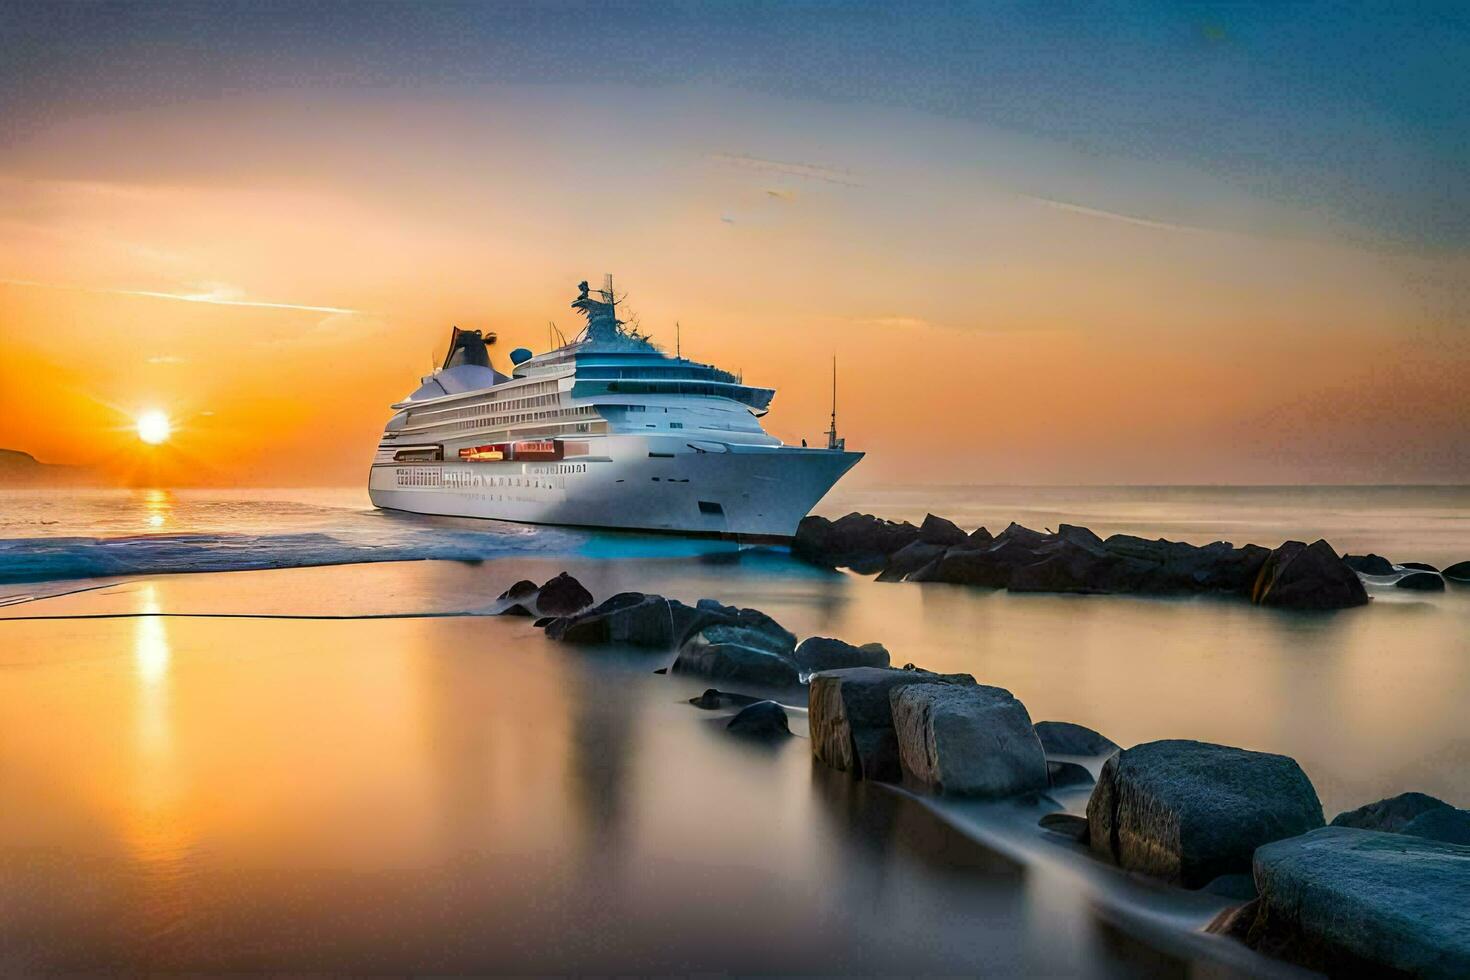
[(832, 441)]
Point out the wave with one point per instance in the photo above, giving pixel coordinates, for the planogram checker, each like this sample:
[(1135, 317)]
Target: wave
[(61, 558)]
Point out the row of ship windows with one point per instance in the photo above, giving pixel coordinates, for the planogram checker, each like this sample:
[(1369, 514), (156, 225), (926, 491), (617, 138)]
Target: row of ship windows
[(527, 396), (560, 413)]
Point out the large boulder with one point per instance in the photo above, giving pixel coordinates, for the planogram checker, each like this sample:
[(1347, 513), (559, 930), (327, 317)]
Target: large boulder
[(1458, 572), (1301, 576), (752, 619), (824, 653), (851, 718), (1189, 811), (736, 662), (967, 740), (1421, 582), (727, 632), (1391, 814), (909, 559), (764, 719), (1352, 902), (1369, 564), (937, 530), (1024, 536), (562, 596), (859, 541), (629, 617), (525, 587), (991, 567), (1069, 566), (1446, 824), (1065, 738)]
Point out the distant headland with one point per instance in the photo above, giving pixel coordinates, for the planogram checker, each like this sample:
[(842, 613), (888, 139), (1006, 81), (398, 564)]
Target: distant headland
[(21, 469)]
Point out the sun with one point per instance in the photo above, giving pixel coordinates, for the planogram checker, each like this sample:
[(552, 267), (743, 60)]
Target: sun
[(154, 427)]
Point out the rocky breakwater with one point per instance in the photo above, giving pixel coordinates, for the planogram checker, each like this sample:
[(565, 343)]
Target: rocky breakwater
[(1075, 560)]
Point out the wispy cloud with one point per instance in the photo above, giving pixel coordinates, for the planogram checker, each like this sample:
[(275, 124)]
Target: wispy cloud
[(812, 171), (216, 296), (1110, 215), (165, 359)]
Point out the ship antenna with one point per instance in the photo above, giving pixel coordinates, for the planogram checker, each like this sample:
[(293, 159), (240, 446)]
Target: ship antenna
[(678, 350), (832, 441)]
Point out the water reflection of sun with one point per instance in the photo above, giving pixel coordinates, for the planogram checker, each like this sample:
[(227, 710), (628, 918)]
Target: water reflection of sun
[(158, 506)]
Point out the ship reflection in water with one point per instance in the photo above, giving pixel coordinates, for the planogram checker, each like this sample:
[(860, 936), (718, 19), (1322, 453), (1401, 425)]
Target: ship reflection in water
[(459, 795)]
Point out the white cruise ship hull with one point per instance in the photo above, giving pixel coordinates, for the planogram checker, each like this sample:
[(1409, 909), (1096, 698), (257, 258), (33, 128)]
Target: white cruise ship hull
[(757, 492)]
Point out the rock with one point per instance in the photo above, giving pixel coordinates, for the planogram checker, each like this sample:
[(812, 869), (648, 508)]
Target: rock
[(860, 541), (1241, 887), (1446, 824), (1068, 567), (1065, 738), (543, 622), (1189, 811), (1081, 536), (852, 722), (1391, 814), (937, 530), (763, 719), (1422, 566), (778, 637), (824, 653), (1067, 824), (515, 610), (980, 538), (712, 698), (1352, 902), (1300, 576), (1063, 774), (1368, 564), (661, 670), (909, 559), (738, 663), (742, 635), (1458, 572), (1421, 582), (525, 587), (562, 596), (967, 740), (628, 617), (990, 567), (1024, 536)]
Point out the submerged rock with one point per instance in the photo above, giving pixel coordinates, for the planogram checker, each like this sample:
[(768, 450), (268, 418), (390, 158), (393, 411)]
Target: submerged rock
[(851, 719), (712, 699), (1421, 582), (1301, 576), (824, 653), (1189, 811), (1458, 572), (525, 587), (1065, 738), (1422, 566), (562, 596), (1391, 814), (763, 719), (777, 637), (967, 740), (1357, 902), (1368, 564), (1063, 774), (1066, 824)]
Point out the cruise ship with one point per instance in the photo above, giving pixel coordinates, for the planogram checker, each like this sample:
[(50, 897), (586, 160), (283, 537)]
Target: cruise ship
[(606, 431)]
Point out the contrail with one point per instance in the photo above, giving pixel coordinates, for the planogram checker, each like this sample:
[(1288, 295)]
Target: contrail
[(1110, 215), (210, 298)]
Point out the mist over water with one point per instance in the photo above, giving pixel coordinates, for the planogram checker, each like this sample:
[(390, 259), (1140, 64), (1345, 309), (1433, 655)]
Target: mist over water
[(459, 794)]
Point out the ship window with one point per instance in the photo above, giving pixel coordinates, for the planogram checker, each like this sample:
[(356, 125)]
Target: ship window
[(676, 425), (710, 507), (660, 455)]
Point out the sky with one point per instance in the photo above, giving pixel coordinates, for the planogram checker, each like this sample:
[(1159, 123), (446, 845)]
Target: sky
[(1048, 243)]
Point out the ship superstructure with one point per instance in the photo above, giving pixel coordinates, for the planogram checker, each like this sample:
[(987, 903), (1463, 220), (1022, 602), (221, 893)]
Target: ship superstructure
[(605, 431)]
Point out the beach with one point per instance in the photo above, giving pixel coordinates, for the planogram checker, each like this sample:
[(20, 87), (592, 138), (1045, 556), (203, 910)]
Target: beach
[(217, 789)]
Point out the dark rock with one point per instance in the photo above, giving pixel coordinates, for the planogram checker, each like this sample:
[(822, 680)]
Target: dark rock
[(562, 596), (967, 740), (1446, 824), (1065, 738), (937, 530), (726, 632), (1351, 902), (990, 567), (763, 719), (522, 589), (1300, 576), (1421, 582), (1024, 536), (661, 670), (823, 653), (778, 637), (1081, 536), (1066, 824), (628, 617), (1391, 814), (734, 662), (1458, 572), (980, 538), (1241, 887), (856, 540), (852, 722), (516, 610), (1068, 567), (1064, 774), (712, 698), (1368, 564), (1422, 566), (909, 559), (1189, 812), (544, 622)]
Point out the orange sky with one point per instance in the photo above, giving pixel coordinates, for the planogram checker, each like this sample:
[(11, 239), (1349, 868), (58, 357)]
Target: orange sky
[(1004, 309)]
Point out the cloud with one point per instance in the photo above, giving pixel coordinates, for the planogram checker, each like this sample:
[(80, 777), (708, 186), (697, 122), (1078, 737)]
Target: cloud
[(165, 359), (1111, 215), (812, 171), (216, 295), (727, 219)]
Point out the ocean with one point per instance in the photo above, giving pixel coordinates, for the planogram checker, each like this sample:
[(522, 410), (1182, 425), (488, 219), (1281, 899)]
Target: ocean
[(453, 793)]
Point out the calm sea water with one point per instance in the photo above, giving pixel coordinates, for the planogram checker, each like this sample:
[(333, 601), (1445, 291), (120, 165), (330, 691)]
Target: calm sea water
[(457, 794)]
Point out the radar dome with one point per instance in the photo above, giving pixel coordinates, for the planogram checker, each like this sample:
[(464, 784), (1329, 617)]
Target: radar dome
[(520, 355)]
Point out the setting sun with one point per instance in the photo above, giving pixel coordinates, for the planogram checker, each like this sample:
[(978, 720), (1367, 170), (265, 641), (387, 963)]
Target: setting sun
[(154, 427)]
